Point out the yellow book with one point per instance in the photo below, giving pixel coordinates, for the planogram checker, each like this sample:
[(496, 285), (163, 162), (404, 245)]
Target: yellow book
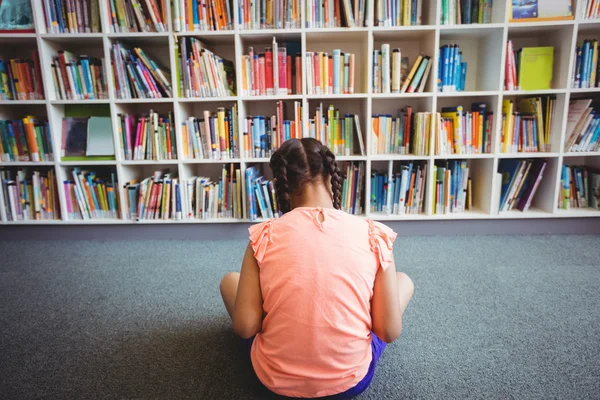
[(535, 68), (507, 110), (594, 64), (221, 129), (185, 139), (412, 73)]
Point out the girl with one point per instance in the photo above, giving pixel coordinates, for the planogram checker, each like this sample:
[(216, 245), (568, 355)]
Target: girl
[(318, 296)]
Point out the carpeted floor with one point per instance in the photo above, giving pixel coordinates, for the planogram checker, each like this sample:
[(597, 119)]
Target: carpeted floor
[(493, 317)]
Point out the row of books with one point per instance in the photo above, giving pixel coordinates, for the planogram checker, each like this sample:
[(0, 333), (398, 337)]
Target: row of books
[(21, 79), (147, 137), (202, 73), (580, 187), (330, 74), (452, 70), (91, 196), (136, 75), (591, 9), (336, 131), (137, 16), (272, 72), (400, 192), (29, 195), (270, 14), (583, 126), (527, 128), (202, 15), (214, 136), (79, 78), (453, 188), (408, 133), (390, 13), (390, 72), (260, 194), (335, 13), (466, 12), (529, 68), (353, 188), (520, 181), (585, 73), (68, 16), (26, 139), (465, 132)]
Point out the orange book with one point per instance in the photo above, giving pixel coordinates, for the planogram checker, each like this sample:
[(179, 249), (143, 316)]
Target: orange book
[(34, 151), (412, 189), (185, 141)]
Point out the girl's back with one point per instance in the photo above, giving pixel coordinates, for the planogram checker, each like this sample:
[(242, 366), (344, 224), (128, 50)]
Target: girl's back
[(317, 271)]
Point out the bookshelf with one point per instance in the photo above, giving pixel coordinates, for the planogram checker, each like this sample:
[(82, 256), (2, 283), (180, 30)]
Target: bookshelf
[(485, 50)]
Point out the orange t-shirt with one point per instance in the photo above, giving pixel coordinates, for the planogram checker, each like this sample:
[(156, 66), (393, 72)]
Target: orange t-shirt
[(317, 283)]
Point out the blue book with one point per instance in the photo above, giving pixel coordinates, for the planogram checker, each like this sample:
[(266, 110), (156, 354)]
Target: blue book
[(463, 75), (457, 68), (585, 78), (452, 67), (373, 191), (397, 189), (89, 87), (509, 172), (446, 68), (440, 69), (250, 175)]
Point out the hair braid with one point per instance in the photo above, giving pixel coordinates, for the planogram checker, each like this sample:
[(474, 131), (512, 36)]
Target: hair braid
[(282, 188), (334, 172)]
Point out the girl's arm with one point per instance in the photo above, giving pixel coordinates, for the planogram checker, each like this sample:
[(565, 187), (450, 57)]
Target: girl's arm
[(248, 312), (385, 305)]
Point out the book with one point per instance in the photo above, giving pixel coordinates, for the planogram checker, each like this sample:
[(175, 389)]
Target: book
[(535, 68), (78, 78), (214, 135), (26, 139), (29, 194), (74, 144), (399, 190), (408, 133), (520, 181), (83, 16), (335, 14), (260, 196), (16, 16), (583, 127), (99, 137), (138, 76), (540, 10), (353, 188), (138, 16), (452, 192), (466, 12), (337, 130), (21, 78), (453, 70), (330, 74), (389, 13), (528, 128), (464, 132), (580, 187), (91, 195), (278, 14)]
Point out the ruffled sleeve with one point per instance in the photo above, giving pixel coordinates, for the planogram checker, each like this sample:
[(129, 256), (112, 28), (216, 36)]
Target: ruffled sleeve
[(260, 236), (381, 239)]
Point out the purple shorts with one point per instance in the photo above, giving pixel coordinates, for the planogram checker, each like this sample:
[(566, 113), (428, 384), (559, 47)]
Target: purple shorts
[(377, 347)]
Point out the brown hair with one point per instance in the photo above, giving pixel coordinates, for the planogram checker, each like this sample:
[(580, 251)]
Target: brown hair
[(301, 161)]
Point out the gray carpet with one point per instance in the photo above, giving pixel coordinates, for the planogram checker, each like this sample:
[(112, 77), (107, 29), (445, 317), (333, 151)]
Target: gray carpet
[(492, 317)]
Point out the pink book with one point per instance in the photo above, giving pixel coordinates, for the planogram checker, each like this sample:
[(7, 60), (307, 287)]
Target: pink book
[(351, 75), (128, 120), (282, 63), (255, 77), (317, 74), (138, 137), (66, 187)]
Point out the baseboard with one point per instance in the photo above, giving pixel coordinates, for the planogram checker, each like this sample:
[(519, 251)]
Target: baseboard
[(585, 226)]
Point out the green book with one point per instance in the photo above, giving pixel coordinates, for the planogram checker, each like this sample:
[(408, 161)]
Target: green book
[(535, 68)]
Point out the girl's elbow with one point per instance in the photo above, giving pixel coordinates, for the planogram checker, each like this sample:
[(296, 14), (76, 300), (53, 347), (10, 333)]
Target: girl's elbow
[(390, 333), (246, 329)]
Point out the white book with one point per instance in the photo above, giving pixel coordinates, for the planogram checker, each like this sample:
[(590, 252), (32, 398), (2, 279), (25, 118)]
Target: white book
[(396, 68), (385, 68)]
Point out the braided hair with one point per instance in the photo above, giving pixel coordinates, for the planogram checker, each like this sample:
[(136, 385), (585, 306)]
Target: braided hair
[(301, 161)]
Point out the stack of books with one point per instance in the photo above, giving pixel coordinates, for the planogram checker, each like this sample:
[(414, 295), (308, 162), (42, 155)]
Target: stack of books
[(390, 13), (89, 196), (520, 181), (260, 192), (464, 132), (147, 137), (214, 136), (580, 187), (78, 78), (138, 16), (330, 73), (591, 9), (466, 12), (335, 13), (335, 130), (583, 127), (401, 192), (202, 73), (67, 16), (137, 76), (263, 135), (29, 195), (408, 133), (353, 188), (528, 128), (26, 139), (453, 190), (21, 79), (273, 72), (390, 72), (270, 14), (529, 68), (452, 70), (585, 73), (202, 15)]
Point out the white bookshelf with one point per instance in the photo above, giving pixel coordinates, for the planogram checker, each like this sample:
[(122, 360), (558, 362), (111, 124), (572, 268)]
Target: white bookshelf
[(484, 47)]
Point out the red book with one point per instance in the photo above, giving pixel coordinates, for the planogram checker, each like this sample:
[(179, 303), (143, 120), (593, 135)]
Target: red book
[(289, 74), (262, 87), (62, 62), (317, 73), (29, 88), (269, 70), (38, 74), (298, 74), (282, 65), (256, 77)]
